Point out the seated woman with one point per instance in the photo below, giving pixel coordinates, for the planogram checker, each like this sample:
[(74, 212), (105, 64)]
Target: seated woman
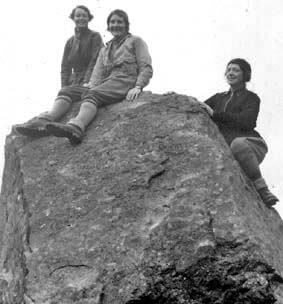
[(122, 70), (79, 57), (235, 113)]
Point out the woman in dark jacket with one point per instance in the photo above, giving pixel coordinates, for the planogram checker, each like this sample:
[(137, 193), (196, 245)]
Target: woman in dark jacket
[(79, 57), (235, 112)]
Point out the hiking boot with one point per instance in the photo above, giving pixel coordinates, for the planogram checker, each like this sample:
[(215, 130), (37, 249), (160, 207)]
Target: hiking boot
[(267, 197), (33, 128), (70, 131)]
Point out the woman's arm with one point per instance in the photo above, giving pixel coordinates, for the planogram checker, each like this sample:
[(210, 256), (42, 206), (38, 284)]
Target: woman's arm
[(97, 44), (212, 100), (66, 69), (144, 63), (244, 120), (209, 104), (144, 69), (98, 71)]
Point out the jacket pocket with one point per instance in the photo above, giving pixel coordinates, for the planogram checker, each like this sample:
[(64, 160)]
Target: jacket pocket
[(131, 67)]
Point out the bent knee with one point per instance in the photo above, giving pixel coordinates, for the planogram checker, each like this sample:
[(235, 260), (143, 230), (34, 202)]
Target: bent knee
[(65, 91), (88, 103), (239, 146)]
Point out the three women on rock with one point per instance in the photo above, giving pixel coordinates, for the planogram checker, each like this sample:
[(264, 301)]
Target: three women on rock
[(101, 75)]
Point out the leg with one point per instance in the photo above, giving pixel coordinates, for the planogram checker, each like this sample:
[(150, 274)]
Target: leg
[(66, 97), (109, 92), (250, 152), (60, 107), (37, 126), (85, 116), (75, 128), (246, 157)]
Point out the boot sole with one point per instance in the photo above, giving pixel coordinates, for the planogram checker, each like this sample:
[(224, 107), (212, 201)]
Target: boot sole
[(62, 132), (30, 132), (271, 203)]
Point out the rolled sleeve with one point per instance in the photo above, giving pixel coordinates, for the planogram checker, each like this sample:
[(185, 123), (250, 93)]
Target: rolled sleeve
[(144, 63)]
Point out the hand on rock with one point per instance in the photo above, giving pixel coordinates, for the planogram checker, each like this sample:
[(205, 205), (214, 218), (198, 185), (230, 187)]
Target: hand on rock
[(169, 93), (133, 93), (207, 108)]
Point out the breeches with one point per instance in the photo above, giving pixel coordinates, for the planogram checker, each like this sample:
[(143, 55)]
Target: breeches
[(111, 91), (72, 93), (245, 147)]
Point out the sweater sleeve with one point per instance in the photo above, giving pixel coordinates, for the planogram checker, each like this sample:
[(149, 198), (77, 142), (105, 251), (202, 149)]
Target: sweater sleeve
[(66, 69), (211, 101), (245, 119), (144, 63), (98, 71), (97, 44)]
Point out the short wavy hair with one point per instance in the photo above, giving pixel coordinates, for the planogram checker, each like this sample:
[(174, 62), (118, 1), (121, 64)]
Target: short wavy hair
[(121, 14), (72, 15), (244, 66)]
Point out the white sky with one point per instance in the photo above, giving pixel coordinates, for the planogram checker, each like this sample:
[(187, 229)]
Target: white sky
[(190, 43)]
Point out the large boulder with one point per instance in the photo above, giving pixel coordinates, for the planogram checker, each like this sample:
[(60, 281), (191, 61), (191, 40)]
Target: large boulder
[(150, 208)]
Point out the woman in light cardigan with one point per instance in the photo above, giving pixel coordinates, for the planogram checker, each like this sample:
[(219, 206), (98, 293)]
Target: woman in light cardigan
[(122, 70)]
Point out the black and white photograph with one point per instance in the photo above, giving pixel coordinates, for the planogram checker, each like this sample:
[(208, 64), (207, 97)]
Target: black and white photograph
[(140, 152)]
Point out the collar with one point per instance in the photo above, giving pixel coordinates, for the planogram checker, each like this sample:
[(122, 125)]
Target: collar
[(238, 90), (81, 31), (118, 41)]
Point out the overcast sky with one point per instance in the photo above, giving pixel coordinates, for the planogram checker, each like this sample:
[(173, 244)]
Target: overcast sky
[(190, 42)]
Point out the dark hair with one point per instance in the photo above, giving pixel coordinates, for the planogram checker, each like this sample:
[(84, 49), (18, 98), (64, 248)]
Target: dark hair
[(72, 15), (121, 14), (244, 66)]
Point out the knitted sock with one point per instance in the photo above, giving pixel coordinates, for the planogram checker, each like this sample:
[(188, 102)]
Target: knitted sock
[(60, 107), (86, 114), (259, 183)]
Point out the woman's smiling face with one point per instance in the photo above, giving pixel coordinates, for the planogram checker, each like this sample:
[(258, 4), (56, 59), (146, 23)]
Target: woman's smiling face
[(81, 18), (234, 75), (117, 26)]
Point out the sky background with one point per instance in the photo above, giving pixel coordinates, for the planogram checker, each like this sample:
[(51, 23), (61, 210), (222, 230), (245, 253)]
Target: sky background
[(190, 43)]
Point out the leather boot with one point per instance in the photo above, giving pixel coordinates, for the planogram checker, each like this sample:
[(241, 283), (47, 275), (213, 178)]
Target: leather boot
[(70, 131), (34, 128), (267, 197)]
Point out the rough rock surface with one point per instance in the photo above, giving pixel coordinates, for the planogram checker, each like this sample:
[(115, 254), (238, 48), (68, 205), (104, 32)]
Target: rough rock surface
[(150, 208)]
